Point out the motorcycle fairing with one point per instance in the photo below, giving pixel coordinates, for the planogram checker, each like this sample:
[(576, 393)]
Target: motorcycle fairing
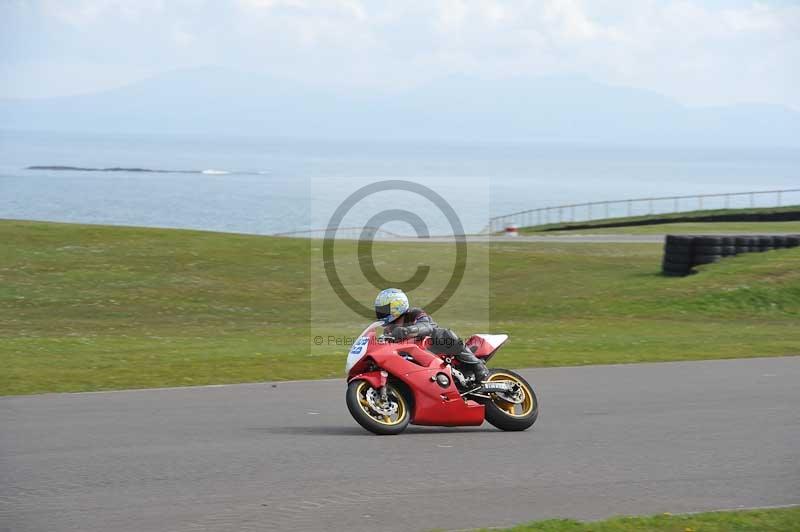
[(433, 404), (360, 347), (376, 379), (486, 345)]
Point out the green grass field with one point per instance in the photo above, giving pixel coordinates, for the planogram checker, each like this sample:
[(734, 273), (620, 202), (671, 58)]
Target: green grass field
[(679, 222), (93, 307), (771, 520)]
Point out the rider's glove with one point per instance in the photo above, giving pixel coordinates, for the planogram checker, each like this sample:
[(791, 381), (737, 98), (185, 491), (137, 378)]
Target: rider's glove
[(400, 333)]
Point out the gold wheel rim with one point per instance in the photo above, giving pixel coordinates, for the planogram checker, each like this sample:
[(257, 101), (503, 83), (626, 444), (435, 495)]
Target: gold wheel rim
[(396, 419), (513, 409)]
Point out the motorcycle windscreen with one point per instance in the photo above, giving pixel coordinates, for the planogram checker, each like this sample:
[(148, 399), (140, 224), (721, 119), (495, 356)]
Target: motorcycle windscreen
[(359, 347)]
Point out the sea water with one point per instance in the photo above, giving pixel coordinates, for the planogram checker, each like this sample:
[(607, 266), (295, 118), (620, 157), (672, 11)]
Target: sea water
[(268, 186)]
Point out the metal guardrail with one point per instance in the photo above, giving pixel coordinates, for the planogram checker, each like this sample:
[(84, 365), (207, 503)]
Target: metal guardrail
[(597, 210), (594, 210)]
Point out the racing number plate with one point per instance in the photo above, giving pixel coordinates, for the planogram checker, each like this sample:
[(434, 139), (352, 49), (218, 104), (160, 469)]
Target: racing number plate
[(359, 346)]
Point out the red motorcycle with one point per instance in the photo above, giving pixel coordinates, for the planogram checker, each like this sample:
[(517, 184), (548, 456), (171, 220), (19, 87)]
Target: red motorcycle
[(393, 383)]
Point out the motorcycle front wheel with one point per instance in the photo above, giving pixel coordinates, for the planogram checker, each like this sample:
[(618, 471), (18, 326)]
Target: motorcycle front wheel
[(384, 419), (511, 413)]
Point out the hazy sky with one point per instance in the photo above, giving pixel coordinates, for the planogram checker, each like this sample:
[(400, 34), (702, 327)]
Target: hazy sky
[(698, 52)]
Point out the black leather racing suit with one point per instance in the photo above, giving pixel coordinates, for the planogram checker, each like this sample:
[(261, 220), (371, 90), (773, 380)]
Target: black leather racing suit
[(415, 323)]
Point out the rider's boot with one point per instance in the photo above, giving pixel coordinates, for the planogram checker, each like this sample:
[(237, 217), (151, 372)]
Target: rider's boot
[(475, 365)]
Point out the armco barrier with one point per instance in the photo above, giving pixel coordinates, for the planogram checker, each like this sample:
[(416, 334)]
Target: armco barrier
[(601, 213), (683, 252)]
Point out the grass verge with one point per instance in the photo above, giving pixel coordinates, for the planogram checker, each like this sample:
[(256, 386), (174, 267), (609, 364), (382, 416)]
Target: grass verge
[(764, 219), (768, 520), (92, 307)]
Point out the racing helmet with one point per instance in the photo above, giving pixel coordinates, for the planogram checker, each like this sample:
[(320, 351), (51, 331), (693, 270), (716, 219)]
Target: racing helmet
[(390, 305)]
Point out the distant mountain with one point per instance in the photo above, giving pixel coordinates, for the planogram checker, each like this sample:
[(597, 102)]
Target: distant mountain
[(215, 100)]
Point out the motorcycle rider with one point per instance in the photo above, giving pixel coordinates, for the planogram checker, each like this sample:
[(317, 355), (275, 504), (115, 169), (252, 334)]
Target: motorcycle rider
[(402, 322)]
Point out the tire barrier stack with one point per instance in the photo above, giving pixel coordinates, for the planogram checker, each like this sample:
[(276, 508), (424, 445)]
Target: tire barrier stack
[(682, 253)]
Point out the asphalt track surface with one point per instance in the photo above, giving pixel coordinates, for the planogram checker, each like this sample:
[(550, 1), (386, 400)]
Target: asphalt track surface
[(625, 439)]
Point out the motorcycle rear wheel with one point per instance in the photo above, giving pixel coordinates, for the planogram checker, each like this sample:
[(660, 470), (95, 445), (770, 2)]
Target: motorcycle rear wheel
[(506, 415), (372, 420)]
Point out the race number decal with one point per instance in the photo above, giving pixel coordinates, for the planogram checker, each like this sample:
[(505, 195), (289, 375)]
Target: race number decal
[(359, 346)]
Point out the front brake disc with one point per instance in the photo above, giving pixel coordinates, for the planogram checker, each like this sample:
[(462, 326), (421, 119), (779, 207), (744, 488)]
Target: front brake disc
[(385, 409)]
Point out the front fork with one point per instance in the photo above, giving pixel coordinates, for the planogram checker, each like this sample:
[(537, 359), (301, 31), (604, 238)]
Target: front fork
[(382, 390), (376, 379)]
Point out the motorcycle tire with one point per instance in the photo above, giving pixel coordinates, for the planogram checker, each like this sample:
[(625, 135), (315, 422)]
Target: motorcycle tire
[(674, 256), (499, 412), (679, 240), (368, 418), (706, 259), (676, 248)]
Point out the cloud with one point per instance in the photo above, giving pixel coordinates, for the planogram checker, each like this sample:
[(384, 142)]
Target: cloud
[(350, 7), (83, 12), (697, 52)]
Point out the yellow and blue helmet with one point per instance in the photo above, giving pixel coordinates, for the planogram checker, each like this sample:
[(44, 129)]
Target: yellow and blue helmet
[(390, 304)]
